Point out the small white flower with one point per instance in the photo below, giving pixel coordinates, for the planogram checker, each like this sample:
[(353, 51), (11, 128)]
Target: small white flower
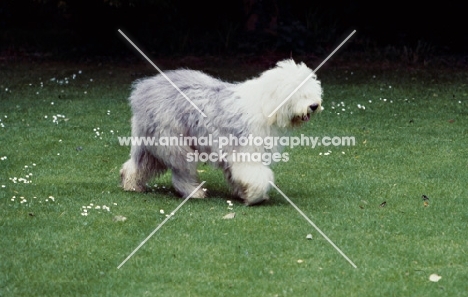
[(434, 277), (161, 211), (119, 219)]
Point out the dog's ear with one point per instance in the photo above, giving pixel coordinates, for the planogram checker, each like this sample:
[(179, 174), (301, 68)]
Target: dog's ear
[(271, 120)]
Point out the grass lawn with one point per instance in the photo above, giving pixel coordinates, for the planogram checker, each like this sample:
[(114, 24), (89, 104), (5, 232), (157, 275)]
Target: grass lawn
[(59, 155)]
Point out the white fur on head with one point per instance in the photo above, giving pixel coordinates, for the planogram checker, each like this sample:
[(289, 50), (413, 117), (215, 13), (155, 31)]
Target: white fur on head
[(280, 82)]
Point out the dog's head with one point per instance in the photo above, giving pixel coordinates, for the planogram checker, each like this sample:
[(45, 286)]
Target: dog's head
[(296, 94)]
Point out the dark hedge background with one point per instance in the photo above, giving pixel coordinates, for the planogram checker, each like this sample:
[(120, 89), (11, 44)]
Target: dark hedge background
[(64, 28)]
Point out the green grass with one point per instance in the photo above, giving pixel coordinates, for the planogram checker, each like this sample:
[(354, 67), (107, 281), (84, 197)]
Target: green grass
[(411, 146)]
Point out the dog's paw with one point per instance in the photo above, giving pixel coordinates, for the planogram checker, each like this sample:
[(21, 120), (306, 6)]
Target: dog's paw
[(256, 201), (137, 188), (199, 194)]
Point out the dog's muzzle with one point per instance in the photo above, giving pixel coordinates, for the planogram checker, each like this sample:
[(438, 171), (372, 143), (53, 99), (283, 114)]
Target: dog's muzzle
[(312, 108)]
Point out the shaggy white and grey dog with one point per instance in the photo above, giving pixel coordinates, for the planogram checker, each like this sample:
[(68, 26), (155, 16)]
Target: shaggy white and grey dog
[(231, 109)]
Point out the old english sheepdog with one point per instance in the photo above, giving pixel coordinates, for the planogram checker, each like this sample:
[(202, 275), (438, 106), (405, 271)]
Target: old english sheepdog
[(231, 111)]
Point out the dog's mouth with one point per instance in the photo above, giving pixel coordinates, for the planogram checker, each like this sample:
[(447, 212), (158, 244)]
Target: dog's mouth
[(299, 119), (305, 117)]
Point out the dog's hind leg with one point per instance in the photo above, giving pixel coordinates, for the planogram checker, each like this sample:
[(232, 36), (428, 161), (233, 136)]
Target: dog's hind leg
[(141, 166)]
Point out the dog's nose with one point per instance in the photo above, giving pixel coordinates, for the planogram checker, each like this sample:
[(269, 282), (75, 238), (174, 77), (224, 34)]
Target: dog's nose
[(314, 106)]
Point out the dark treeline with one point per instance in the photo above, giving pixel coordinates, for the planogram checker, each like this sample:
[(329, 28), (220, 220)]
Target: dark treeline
[(225, 27)]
